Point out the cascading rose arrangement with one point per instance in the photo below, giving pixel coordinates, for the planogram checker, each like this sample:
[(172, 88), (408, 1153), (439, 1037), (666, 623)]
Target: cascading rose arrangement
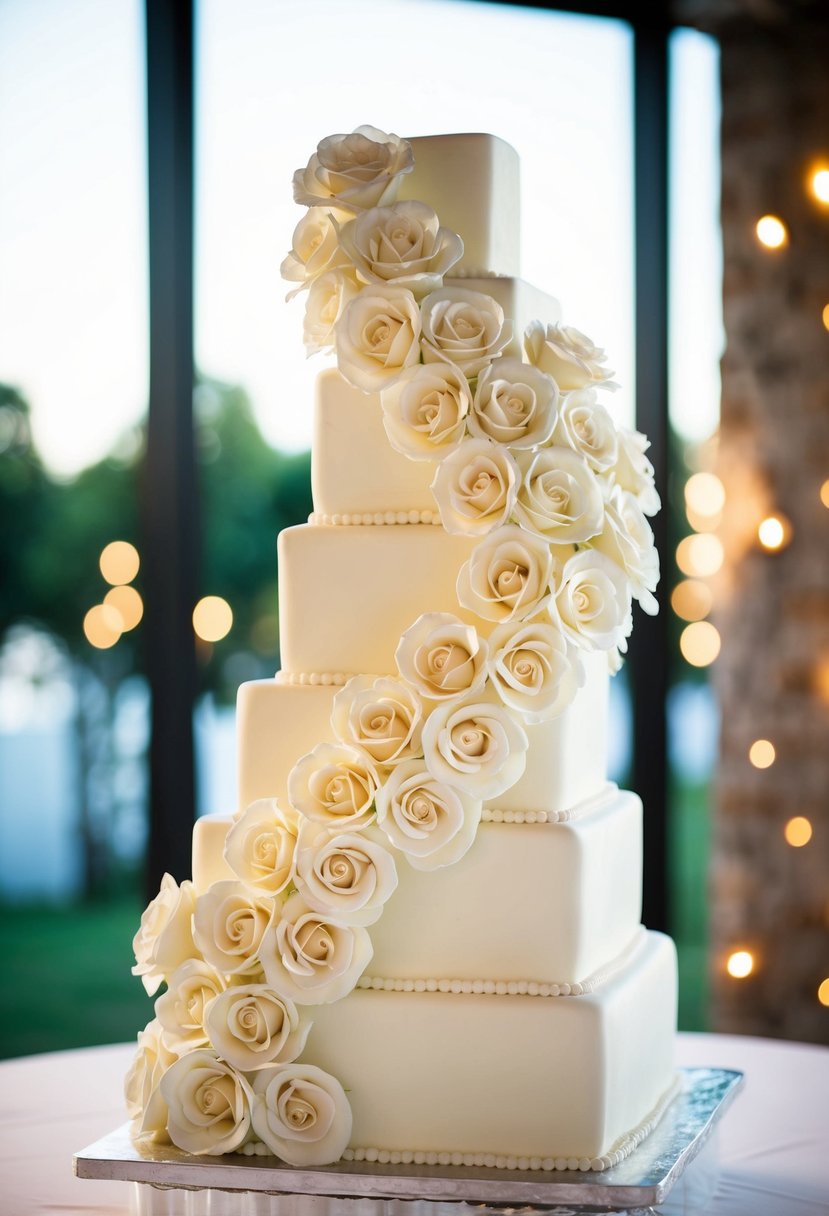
[(528, 461)]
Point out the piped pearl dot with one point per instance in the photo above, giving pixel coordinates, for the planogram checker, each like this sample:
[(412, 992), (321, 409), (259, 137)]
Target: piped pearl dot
[(395, 1158), (477, 986), (456, 986), (545, 990), (512, 988), (359, 1154), (409, 986), (532, 989), (535, 1163), (407, 1156), (414, 517), (348, 1154), (522, 987), (584, 1164), (431, 1158), (501, 988), (489, 1161), (572, 1163), (509, 816), (456, 1159), (384, 1156), (444, 986), (549, 1164), (561, 1163), (500, 1163), (512, 1162), (523, 1163), (377, 984), (489, 987), (372, 1154)]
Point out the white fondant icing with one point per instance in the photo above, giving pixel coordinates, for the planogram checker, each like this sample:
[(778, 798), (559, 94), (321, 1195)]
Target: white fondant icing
[(472, 182), (501, 1075), (347, 594)]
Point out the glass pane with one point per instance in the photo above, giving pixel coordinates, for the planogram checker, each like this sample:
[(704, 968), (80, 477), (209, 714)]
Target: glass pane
[(270, 87)]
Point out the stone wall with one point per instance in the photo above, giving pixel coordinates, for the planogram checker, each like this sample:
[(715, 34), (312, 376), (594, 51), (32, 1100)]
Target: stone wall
[(773, 672)]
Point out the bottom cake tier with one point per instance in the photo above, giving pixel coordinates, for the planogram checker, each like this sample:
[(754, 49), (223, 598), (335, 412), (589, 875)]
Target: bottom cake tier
[(509, 1080)]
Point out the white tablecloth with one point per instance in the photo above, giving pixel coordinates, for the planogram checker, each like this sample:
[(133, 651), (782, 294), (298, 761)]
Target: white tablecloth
[(774, 1142)]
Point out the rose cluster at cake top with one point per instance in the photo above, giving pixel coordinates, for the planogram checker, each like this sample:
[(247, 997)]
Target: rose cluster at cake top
[(528, 461), (525, 454)]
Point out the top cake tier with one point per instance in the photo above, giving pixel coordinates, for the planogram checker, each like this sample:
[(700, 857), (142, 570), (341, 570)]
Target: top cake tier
[(472, 181)]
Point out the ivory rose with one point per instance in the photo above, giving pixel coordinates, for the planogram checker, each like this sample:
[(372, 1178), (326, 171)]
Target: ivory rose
[(315, 249), (228, 925), (468, 328), (634, 472), (475, 487), (431, 823), (566, 354), (508, 575), (515, 404), (442, 657), (334, 785), (592, 601), (402, 244), (251, 1026), (382, 716), (165, 936), (351, 172), (327, 299), (348, 876), (144, 1103), (312, 958), (533, 670), (425, 411), (260, 846), (628, 540), (559, 498), (209, 1104), (477, 746), (377, 337), (180, 1010), (302, 1114), (587, 427)]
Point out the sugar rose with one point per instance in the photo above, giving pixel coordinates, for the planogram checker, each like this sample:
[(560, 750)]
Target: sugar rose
[(475, 746), (431, 823), (326, 302), (180, 1010), (402, 244), (260, 846), (442, 657), (334, 785), (634, 472), (425, 411), (315, 250), (302, 1114), (533, 670), (466, 327), (592, 601), (348, 876), (508, 575), (209, 1104), (586, 427), (312, 958), (567, 355), (515, 404), (382, 716), (251, 1026), (228, 925), (628, 540), (349, 173), (165, 937), (144, 1103), (559, 498), (378, 337), (475, 487)]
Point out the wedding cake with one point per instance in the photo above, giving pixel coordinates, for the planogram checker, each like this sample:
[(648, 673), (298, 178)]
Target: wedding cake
[(418, 939)]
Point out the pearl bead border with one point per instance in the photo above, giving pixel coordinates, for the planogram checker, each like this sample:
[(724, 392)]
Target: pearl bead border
[(621, 1149), (377, 519), (535, 988)]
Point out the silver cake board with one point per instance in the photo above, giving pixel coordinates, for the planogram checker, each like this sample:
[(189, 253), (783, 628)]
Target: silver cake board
[(642, 1181)]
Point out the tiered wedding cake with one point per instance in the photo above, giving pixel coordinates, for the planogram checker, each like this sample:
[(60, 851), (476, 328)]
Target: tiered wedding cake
[(419, 939)]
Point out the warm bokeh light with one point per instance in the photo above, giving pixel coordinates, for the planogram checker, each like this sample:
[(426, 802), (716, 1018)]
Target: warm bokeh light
[(771, 232), (825, 315), (798, 831), (762, 753), (212, 618), (127, 603), (774, 532), (823, 992), (705, 494), (102, 626), (700, 555), (691, 599), (119, 562), (820, 185), (740, 964), (821, 679), (824, 493), (699, 644)]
